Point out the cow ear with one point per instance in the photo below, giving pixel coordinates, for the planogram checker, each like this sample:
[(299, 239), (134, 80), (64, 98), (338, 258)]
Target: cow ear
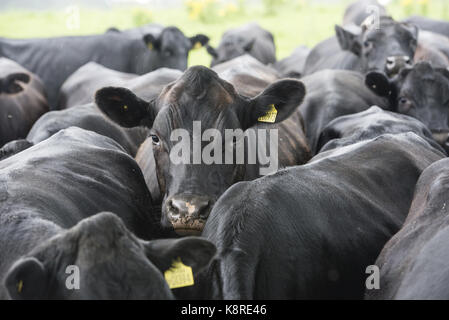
[(194, 252), (275, 104), (151, 42), (379, 84), (12, 82), (412, 28), (124, 107), (198, 41), (113, 30), (27, 279), (212, 51), (348, 40)]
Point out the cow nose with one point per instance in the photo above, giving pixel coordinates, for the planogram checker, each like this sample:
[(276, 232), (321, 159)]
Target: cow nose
[(407, 61), (189, 207), (394, 64)]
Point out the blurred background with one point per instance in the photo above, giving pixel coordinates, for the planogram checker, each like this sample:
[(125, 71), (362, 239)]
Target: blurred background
[(293, 22)]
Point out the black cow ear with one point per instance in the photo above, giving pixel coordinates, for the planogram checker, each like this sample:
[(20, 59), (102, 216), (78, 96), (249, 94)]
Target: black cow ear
[(113, 30), (275, 104), (212, 51), (194, 252), (27, 279), (199, 41), (12, 82), (379, 84), (124, 107), (412, 28), (152, 42), (348, 40)]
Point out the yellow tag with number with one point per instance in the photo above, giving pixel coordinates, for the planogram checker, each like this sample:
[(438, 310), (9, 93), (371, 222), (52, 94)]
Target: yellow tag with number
[(197, 45), (20, 286), (270, 116), (150, 46), (179, 275)]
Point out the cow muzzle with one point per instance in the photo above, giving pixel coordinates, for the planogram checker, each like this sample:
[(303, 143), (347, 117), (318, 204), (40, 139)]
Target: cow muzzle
[(395, 64), (188, 213)]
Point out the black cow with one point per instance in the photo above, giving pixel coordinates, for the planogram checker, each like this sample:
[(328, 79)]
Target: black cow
[(46, 194), (350, 129), (364, 49), (310, 231), (200, 96), (87, 117), (81, 86), (437, 26), (22, 101), (358, 11), (112, 262), (421, 92), (248, 39), (55, 59), (293, 65), (331, 94), (413, 264)]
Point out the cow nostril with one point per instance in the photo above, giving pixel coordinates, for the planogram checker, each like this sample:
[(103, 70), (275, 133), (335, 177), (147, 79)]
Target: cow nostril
[(173, 212), (391, 60), (204, 210)]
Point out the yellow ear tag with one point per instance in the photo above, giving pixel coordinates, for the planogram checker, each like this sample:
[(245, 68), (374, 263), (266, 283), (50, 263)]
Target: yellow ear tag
[(20, 286), (270, 116), (150, 46), (197, 45), (179, 275), (125, 107)]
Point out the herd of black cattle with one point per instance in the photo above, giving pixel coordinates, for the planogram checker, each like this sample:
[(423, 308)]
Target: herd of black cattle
[(86, 178)]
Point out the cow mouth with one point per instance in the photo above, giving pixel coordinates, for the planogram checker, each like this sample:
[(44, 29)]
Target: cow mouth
[(194, 228), (188, 232)]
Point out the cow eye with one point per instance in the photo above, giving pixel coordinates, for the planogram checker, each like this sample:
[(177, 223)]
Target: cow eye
[(155, 139), (402, 100), (367, 44)]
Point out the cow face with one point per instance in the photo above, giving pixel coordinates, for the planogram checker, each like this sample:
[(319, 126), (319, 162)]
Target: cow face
[(172, 47), (387, 49), (421, 92), (229, 49), (198, 98), (110, 263)]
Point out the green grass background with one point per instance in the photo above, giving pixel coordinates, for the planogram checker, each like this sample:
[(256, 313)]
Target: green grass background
[(293, 22)]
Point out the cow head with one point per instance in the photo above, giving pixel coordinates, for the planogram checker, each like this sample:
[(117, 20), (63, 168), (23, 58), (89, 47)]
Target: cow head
[(108, 260), (172, 47), (229, 49), (421, 92), (199, 97), (387, 49), (13, 83)]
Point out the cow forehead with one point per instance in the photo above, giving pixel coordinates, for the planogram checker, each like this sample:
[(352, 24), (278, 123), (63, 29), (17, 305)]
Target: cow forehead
[(199, 88), (173, 37)]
